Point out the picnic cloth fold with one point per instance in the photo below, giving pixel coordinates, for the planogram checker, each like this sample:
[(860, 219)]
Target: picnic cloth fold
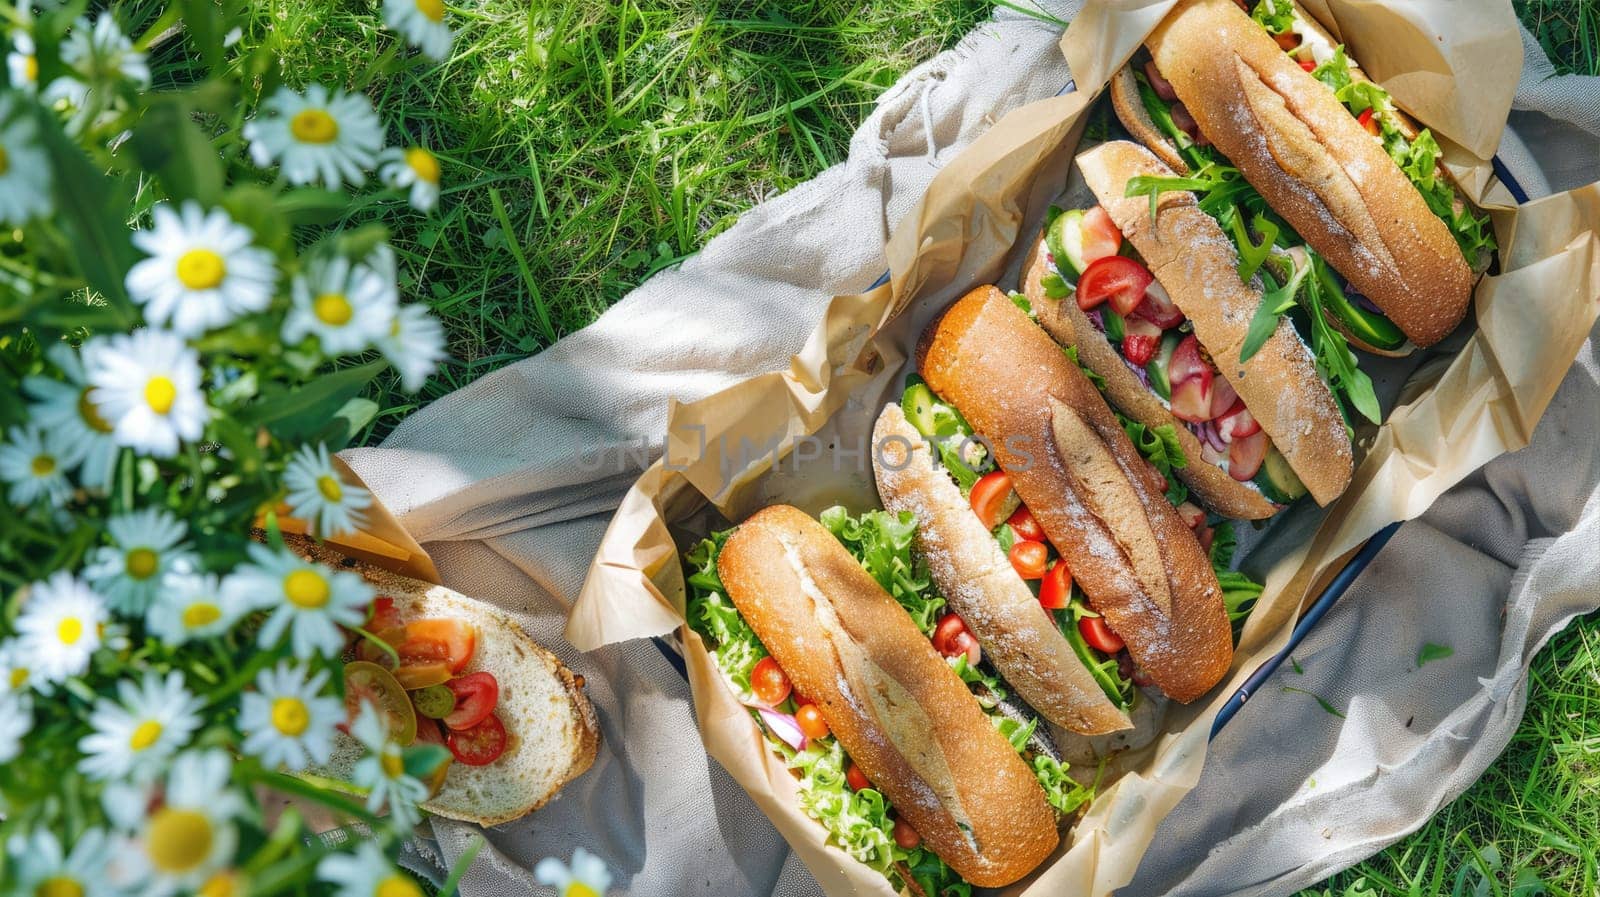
[(510, 481)]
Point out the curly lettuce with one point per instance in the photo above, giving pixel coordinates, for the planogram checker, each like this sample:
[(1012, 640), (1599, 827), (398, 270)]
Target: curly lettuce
[(882, 542), (735, 648), (1160, 446)]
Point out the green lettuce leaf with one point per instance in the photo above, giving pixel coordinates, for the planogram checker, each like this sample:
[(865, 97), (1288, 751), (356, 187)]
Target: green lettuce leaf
[(733, 644), (1277, 16), (1161, 448), (1060, 790), (882, 541), (1239, 592)]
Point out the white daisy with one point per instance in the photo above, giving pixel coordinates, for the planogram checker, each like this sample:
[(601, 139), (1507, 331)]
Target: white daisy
[(147, 385), (24, 167), (195, 605), (146, 546), (288, 720), (35, 465), (60, 627), (16, 720), (202, 271), (317, 493), (414, 345), (102, 53), (134, 736), (383, 771), (22, 66), (182, 844), (43, 868), (415, 168), (308, 601), (421, 23), (326, 135), (586, 877), (366, 873), (17, 677), (63, 407), (347, 307)]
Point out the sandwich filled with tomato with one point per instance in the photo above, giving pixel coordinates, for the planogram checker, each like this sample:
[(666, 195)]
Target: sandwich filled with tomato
[(1288, 144), (906, 751), (1158, 303)]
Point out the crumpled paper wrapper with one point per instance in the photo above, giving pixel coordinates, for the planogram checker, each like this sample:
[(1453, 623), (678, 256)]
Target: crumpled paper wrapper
[(1451, 65)]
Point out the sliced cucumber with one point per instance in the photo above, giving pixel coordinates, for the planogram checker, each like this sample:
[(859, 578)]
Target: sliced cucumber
[(1116, 329), (1064, 239), (1370, 328), (918, 404), (1160, 362), (1277, 479)]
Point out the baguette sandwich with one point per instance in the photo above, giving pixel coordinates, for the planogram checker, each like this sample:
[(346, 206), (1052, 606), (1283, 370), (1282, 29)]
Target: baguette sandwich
[(1261, 111)]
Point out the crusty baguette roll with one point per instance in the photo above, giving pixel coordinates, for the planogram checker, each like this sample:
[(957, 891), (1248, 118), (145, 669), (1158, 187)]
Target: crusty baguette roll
[(1314, 164), (1198, 266), (896, 707), (551, 728), (1102, 505), (978, 582)]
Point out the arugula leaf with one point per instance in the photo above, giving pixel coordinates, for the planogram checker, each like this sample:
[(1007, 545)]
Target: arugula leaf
[(1105, 670), (1251, 254), (993, 688), (1276, 301), (1332, 351), (882, 541), (1277, 16), (1431, 652), (1324, 703), (1060, 790)]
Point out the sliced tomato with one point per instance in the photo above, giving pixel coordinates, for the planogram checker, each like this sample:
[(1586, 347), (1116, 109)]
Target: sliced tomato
[(1025, 526), (990, 496), (809, 718), (1029, 558), (476, 697), (1140, 341), (1222, 396), (480, 745), (1055, 591), (369, 683), (1309, 65), (1191, 514), (383, 615), (769, 682), (1187, 363), (1100, 235), (417, 676), (440, 639), (1237, 422), (1366, 121), (1099, 636), (856, 779), (967, 643), (1288, 40), (905, 837), (1116, 278), (1191, 400), (948, 627), (1245, 455), (1158, 307)]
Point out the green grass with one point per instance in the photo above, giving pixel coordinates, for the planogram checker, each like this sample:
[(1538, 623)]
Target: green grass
[(590, 145)]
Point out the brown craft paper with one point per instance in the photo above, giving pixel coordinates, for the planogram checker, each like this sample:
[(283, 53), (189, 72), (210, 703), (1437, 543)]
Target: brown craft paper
[(1452, 65)]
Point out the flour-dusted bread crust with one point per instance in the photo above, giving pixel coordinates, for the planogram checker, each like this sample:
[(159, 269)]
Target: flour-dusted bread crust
[(1102, 505), (1018, 636), (551, 725), (1314, 164), (1198, 265), (894, 704)]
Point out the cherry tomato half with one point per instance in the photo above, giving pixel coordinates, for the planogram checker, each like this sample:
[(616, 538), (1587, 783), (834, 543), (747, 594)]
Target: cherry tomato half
[(809, 718), (480, 745), (476, 696), (905, 836), (439, 639), (1099, 636), (1100, 235), (855, 778), (1029, 558), (989, 497), (1023, 524), (1117, 278), (948, 627), (964, 642), (1309, 65), (370, 683), (1056, 590), (769, 682)]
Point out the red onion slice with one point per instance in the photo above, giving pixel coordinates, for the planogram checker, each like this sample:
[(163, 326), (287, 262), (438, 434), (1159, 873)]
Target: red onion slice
[(784, 726)]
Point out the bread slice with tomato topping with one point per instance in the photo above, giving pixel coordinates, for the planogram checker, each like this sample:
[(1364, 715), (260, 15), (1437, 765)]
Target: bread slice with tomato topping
[(541, 731)]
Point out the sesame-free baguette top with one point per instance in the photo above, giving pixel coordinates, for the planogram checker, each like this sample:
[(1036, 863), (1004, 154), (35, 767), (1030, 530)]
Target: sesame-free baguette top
[(1105, 510), (1314, 164), (1017, 634), (895, 705), (1195, 261)]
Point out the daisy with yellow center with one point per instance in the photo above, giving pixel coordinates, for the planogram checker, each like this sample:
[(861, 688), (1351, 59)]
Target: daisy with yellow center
[(41, 867), (202, 271), (146, 546), (320, 494), (134, 736), (35, 466), (146, 385), (383, 771), (195, 606), (347, 307), (61, 407), (366, 873), (185, 843), (22, 66), (326, 136), (414, 345), (415, 168), (586, 877), (60, 627), (289, 720), (421, 23), (309, 602), (24, 166)]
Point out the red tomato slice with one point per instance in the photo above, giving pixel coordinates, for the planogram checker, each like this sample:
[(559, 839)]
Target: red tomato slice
[(1191, 400), (966, 643), (1158, 308), (809, 718), (948, 627), (1029, 558), (476, 696), (1023, 524), (1222, 396), (1100, 235), (1055, 591), (1140, 341), (1191, 514), (480, 745), (1099, 636), (856, 779), (905, 837), (1287, 40), (1309, 65), (439, 639), (769, 682), (1187, 363), (1245, 455), (1121, 280), (1365, 120), (1237, 422), (989, 497), (383, 615)]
